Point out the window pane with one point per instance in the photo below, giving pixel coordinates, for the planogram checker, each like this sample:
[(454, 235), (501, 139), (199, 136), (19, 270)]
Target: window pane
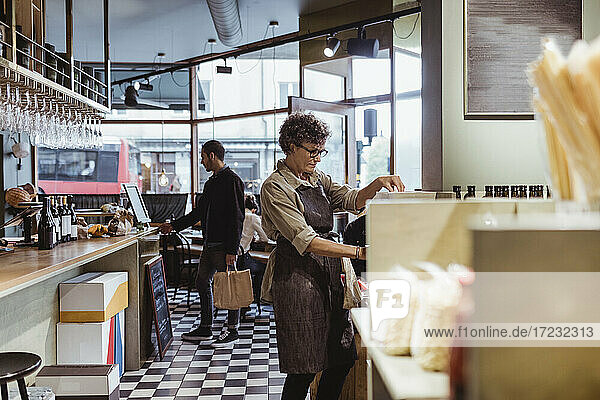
[(374, 154), (333, 163), (251, 147), (371, 76), (323, 86), (107, 166), (256, 83), (148, 154), (408, 142), (407, 71), (46, 163), (77, 165)]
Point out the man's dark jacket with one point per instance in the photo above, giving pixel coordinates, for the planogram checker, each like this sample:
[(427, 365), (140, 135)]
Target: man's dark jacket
[(220, 210)]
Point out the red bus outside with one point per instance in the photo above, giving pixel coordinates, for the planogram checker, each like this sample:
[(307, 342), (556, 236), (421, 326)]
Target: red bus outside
[(86, 171)]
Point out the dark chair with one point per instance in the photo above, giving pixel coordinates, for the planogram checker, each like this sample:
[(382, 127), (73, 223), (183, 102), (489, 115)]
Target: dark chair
[(15, 366), (183, 261)]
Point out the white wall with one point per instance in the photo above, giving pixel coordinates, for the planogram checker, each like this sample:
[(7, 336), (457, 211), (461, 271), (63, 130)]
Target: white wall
[(487, 152)]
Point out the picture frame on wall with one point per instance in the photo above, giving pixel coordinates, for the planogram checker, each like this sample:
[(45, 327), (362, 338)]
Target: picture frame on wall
[(501, 37)]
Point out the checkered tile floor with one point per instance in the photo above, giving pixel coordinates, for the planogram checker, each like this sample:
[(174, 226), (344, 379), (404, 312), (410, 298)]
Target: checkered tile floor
[(249, 370)]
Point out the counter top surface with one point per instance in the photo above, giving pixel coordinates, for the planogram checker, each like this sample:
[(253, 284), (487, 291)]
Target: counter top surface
[(403, 377), (27, 266)]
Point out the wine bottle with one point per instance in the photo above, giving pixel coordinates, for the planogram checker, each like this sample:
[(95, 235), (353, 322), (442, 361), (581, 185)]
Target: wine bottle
[(65, 217), (73, 218), (489, 191), (46, 228), (456, 190), (56, 219), (470, 192)]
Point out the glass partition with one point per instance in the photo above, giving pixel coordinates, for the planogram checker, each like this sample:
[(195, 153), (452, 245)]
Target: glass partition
[(408, 83)]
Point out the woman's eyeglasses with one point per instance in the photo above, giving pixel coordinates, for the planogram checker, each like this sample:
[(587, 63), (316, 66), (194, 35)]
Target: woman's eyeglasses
[(315, 153)]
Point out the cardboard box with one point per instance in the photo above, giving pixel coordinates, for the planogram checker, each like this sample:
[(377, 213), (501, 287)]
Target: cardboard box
[(92, 342), (70, 382), (93, 297)]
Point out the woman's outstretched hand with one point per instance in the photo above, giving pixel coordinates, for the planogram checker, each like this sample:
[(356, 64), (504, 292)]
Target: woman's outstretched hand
[(393, 183)]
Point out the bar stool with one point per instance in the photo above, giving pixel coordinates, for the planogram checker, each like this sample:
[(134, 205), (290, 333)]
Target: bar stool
[(15, 366)]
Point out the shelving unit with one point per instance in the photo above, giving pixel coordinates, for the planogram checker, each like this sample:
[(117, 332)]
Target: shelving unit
[(26, 56)]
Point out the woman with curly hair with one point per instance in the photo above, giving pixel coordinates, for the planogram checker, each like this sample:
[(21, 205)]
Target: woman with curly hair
[(314, 332)]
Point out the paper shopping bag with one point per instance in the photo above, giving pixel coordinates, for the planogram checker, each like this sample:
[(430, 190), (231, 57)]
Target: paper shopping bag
[(232, 289)]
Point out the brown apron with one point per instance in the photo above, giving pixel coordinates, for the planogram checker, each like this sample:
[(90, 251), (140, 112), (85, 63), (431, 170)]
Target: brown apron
[(314, 332)]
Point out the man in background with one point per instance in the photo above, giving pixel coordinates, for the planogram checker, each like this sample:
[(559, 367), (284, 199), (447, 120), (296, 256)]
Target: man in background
[(221, 213)]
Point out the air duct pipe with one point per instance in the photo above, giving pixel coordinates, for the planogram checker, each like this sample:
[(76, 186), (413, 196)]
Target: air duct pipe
[(226, 18)]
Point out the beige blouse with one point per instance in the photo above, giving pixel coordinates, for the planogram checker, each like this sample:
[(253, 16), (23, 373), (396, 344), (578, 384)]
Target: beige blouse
[(283, 211)]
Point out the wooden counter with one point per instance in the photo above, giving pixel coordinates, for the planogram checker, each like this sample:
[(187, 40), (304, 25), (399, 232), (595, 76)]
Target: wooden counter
[(28, 265), (29, 279)]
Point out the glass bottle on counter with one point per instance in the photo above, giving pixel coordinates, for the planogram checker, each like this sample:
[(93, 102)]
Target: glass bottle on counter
[(65, 219), (56, 219), (46, 228), (71, 205), (489, 191), (523, 191), (456, 190), (470, 192)]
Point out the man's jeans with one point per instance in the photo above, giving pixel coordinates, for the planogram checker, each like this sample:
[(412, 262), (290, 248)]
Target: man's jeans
[(211, 261)]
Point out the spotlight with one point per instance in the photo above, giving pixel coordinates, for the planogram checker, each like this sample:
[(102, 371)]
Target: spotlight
[(332, 45), (131, 96), (363, 47), (224, 69), (162, 179)]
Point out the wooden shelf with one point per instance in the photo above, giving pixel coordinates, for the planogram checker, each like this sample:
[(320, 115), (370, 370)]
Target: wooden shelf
[(53, 85)]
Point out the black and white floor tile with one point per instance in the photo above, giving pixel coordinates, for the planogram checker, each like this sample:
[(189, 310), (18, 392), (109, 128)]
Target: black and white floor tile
[(249, 370)]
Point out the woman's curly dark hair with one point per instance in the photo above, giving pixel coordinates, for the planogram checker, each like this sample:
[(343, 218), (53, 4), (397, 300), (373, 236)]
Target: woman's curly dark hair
[(301, 128)]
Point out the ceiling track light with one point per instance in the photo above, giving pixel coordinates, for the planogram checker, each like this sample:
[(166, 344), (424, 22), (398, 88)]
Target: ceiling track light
[(224, 69), (131, 96), (332, 45), (361, 46)]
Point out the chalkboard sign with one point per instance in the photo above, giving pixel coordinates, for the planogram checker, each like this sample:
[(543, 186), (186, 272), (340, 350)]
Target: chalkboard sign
[(160, 303)]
